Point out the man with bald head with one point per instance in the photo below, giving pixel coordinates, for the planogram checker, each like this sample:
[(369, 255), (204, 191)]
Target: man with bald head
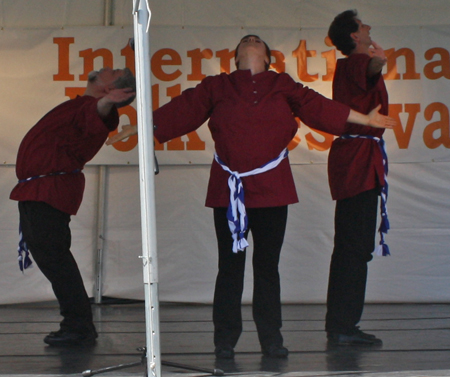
[(50, 189)]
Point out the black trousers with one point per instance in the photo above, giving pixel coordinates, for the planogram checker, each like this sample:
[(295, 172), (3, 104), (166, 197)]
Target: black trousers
[(354, 241), (268, 227), (47, 233)]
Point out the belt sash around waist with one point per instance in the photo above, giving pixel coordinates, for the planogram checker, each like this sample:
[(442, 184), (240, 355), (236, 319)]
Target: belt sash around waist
[(24, 254), (236, 213), (382, 248)]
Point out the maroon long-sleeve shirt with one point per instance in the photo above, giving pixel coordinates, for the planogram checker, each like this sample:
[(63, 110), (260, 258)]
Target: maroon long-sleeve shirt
[(356, 165), (64, 140), (251, 119)]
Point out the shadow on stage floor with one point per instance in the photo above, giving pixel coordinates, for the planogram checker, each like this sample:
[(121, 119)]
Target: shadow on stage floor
[(415, 338)]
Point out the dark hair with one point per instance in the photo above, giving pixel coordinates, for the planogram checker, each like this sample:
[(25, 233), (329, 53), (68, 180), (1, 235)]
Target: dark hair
[(268, 53), (340, 29), (126, 81)]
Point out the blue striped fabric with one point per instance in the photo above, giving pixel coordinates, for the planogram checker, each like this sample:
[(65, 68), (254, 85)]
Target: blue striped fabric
[(382, 248), (236, 214)]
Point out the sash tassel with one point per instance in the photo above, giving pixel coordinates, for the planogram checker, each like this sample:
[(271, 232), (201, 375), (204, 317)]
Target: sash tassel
[(382, 249), (236, 213), (24, 254)]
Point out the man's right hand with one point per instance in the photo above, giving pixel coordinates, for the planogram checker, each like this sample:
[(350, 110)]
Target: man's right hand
[(114, 96), (127, 131)]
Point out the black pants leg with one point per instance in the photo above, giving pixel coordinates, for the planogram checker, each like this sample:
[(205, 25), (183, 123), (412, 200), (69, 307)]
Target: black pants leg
[(47, 233), (268, 227), (355, 229)]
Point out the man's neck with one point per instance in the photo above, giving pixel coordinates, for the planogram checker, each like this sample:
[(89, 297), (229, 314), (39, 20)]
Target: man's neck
[(254, 66), (93, 92), (253, 62), (361, 49)]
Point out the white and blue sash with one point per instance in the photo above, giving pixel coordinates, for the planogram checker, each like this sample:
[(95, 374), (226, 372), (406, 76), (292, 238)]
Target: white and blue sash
[(23, 251), (382, 248), (236, 214)]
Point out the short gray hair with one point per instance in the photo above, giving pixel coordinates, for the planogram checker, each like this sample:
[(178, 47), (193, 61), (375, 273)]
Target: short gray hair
[(127, 80)]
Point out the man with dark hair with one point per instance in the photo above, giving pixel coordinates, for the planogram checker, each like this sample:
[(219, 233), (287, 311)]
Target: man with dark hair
[(50, 189), (356, 172), (256, 39), (251, 118)]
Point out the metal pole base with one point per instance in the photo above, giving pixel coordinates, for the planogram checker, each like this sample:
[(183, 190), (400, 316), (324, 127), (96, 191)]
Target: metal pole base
[(214, 372)]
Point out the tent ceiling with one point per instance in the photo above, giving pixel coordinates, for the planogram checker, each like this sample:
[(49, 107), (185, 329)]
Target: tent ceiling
[(261, 13)]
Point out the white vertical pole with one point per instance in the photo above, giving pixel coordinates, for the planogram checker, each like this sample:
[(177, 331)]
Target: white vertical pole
[(141, 13), (107, 17), (101, 207), (101, 201)]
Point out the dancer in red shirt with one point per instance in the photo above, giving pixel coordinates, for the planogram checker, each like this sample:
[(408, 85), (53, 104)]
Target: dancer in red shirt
[(251, 118), (51, 185), (356, 175)]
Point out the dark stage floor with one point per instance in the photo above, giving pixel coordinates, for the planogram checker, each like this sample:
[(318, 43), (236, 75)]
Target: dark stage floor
[(416, 342)]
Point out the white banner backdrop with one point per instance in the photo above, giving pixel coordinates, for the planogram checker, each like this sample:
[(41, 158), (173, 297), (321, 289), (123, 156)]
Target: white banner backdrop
[(419, 171), (417, 271), (41, 68)]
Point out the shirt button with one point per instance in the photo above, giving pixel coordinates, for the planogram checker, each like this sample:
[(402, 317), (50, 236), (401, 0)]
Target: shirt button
[(255, 102), (255, 92)]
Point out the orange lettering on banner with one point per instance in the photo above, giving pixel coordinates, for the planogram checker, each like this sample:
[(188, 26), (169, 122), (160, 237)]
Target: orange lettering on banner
[(297, 139), (225, 57), (441, 125), (321, 146), (279, 64), (63, 59), (410, 64), (196, 63), (403, 136), (159, 60), (128, 53), (166, 66), (302, 55), (444, 64), (330, 57), (88, 58)]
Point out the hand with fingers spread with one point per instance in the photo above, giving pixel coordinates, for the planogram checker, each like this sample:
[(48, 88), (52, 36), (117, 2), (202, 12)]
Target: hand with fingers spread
[(127, 131), (373, 119), (378, 120), (114, 97)]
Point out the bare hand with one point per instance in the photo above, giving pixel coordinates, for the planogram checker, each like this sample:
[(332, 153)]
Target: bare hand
[(114, 96), (119, 95), (377, 52), (378, 120), (127, 131)]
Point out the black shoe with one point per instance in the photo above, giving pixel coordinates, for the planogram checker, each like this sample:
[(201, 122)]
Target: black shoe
[(65, 338), (353, 338), (224, 352), (275, 351)]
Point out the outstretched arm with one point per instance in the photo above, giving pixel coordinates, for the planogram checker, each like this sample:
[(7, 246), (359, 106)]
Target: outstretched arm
[(373, 119)]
